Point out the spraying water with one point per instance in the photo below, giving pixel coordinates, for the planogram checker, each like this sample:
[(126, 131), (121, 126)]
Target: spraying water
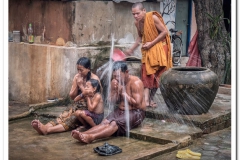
[(105, 78), (126, 113)]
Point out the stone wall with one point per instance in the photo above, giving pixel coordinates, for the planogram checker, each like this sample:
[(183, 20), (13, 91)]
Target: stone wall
[(43, 70), (81, 22), (38, 72)]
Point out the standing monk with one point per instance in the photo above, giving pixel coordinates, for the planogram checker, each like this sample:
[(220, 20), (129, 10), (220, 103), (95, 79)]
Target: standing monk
[(126, 93), (156, 53)]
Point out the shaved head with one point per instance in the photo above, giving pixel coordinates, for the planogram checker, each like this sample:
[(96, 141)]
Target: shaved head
[(138, 5)]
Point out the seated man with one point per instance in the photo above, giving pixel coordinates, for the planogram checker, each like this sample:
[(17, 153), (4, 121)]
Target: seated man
[(124, 88)]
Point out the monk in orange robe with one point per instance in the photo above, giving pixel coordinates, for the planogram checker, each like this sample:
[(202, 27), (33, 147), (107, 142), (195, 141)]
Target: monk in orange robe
[(156, 49)]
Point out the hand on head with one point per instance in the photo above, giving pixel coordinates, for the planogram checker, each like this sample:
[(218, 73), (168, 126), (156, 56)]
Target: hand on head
[(116, 86)]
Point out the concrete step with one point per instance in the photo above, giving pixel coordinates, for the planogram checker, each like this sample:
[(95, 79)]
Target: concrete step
[(162, 132), (218, 117), (62, 146)]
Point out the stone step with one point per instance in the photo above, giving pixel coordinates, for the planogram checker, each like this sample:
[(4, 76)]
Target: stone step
[(218, 117), (162, 132), (136, 149), (63, 146)]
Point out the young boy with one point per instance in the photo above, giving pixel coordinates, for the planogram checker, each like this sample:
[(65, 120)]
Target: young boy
[(95, 109), (69, 119)]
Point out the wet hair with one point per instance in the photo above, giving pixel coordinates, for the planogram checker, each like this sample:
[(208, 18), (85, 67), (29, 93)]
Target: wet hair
[(95, 83), (120, 65), (139, 5), (86, 63)]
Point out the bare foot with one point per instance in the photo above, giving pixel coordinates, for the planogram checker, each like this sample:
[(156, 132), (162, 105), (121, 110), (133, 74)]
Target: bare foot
[(86, 138), (34, 124), (153, 104), (75, 134), (43, 128)]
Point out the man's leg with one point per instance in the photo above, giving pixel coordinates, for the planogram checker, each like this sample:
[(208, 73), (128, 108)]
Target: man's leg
[(105, 132), (152, 94), (92, 130), (147, 96), (145, 79)]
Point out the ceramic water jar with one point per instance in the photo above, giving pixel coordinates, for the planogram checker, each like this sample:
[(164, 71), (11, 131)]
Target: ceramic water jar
[(189, 90)]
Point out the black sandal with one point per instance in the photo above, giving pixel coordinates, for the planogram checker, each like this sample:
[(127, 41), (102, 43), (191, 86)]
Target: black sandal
[(107, 149)]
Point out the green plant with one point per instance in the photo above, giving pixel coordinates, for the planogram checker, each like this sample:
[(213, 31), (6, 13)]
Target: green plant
[(216, 33), (215, 25)]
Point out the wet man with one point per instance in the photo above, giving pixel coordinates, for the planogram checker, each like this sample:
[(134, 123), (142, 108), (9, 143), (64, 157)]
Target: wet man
[(127, 92)]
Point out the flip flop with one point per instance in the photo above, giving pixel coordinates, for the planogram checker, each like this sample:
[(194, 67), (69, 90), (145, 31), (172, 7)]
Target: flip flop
[(187, 156), (190, 152), (107, 150)]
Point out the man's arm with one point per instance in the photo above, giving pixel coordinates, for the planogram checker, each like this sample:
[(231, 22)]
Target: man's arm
[(137, 42), (162, 32), (137, 92)]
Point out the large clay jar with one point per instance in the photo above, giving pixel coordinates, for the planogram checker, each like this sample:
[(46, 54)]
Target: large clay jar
[(189, 90)]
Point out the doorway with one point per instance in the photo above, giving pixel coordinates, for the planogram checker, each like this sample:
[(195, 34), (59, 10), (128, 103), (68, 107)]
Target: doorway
[(182, 22)]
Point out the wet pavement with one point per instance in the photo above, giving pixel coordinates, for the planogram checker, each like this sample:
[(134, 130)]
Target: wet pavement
[(159, 137), (213, 146)]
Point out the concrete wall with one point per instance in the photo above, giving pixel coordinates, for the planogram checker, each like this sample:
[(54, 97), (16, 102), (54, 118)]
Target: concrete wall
[(41, 71), (82, 22), (38, 72)]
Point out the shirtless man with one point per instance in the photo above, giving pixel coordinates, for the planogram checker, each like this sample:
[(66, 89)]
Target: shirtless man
[(124, 87)]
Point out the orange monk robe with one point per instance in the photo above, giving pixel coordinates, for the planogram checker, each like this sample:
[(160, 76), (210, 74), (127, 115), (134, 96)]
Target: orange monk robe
[(155, 57)]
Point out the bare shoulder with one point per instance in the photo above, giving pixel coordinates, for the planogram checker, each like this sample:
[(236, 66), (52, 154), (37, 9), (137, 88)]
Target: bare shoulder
[(98, 95), (136, 80), (135, 77), (94, 76), (97, 98), (156, 18)]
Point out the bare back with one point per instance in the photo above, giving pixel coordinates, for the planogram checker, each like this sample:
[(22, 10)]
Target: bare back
[(135, 91)]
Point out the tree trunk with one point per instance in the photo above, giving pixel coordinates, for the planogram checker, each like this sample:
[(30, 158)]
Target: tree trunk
[(214, 54)]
